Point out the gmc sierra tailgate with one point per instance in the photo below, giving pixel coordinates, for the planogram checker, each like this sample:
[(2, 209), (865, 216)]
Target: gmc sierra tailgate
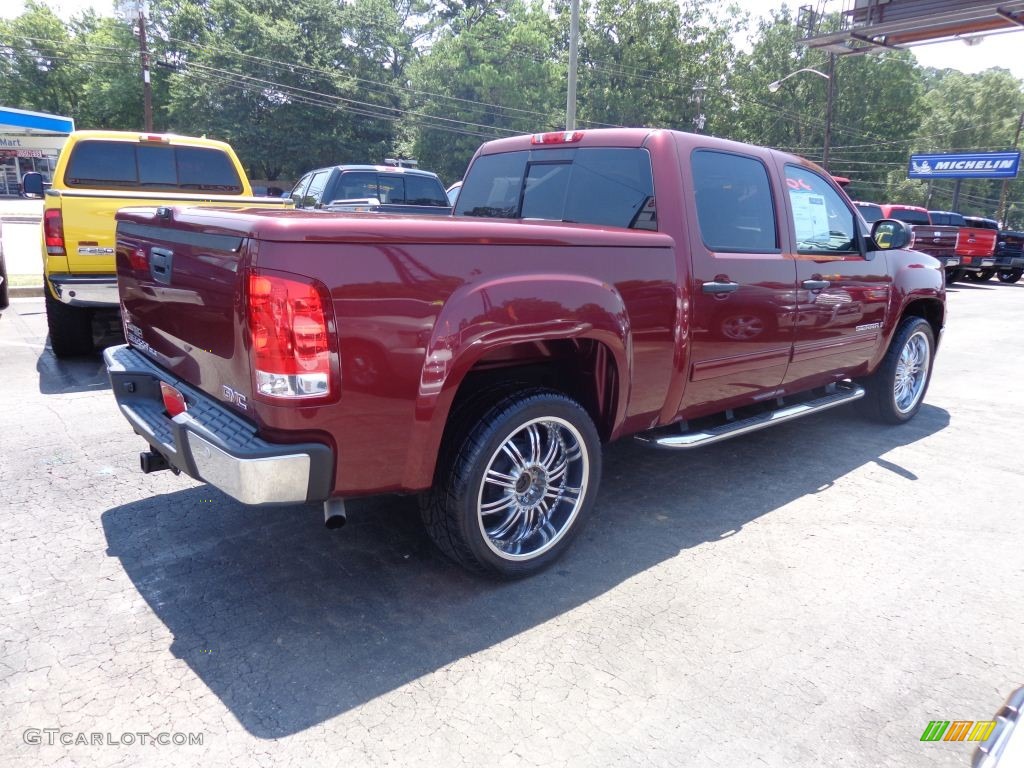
[(185, 380), (182, 304)]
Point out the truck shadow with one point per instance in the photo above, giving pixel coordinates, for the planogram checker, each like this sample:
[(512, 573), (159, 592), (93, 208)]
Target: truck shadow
[(79, 374), (291, 625)]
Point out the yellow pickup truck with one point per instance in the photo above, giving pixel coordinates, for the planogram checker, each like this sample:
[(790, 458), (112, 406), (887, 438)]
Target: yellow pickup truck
[(99, 172)]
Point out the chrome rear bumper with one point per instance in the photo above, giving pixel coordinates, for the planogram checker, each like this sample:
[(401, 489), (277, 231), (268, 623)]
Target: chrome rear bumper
[(86, 290)]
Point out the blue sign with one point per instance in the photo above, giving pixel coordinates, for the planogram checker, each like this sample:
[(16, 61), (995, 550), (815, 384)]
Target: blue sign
[(977, 165)]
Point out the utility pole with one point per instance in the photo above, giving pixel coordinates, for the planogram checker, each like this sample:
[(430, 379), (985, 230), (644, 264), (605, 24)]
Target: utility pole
[(147, 91), (697, 97), (574, 34), (830, 97), (1002, 195)]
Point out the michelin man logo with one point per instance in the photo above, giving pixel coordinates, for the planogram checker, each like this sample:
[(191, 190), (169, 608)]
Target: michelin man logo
[(921, 167)]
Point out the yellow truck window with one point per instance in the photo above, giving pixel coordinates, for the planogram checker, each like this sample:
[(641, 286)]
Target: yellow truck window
[(151, 167)]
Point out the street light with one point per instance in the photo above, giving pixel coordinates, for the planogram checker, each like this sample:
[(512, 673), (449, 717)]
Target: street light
[(830, 97), (773, 87)]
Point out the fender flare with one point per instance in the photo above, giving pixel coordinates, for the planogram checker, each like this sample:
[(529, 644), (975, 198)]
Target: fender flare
[(479, 318)]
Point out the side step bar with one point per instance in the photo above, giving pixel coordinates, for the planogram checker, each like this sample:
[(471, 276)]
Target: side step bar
[(842, 392)]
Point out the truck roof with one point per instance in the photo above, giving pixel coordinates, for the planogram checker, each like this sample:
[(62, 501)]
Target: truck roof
[(628, 137), (138, 136), (377, 169)]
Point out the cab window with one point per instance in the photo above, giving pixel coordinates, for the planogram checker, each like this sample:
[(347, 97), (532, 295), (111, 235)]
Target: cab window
[(821, 220), (311, 198), (101, 164), (299, 189), (735, 209)]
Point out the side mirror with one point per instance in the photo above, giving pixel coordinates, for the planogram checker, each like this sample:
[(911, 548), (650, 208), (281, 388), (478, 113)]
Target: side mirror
[(32, 184), (890, 234)]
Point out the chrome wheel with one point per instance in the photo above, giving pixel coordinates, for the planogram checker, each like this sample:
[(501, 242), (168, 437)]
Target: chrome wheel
[(742, 327), (533, 488), (912, 372)]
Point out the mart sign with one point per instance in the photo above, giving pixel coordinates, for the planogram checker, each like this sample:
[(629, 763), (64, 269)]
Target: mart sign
[(979, 165)]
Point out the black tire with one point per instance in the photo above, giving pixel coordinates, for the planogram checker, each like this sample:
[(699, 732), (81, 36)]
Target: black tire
[(880, 400), (70, 328), (469, 462), (1009, 275), (983, 276), (952, 275)]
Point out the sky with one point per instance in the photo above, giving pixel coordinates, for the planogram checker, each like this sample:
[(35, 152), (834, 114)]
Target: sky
[(1002, 50)]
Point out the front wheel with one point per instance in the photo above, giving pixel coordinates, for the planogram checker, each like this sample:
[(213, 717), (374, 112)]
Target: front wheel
[(896, 390), (513, 491), (1009, 275)]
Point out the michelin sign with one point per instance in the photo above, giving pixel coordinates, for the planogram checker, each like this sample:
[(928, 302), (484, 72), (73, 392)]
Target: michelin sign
[(981, 165)]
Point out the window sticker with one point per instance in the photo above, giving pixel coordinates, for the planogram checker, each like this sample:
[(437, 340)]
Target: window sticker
[(809, 217)]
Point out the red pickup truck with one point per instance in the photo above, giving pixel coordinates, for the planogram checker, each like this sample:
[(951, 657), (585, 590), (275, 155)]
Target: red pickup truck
[(945, 235), (589, 286)]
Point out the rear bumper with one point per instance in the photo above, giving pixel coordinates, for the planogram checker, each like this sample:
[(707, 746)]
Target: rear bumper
[(948, 261), (1009, 262), (977, 263), (85, 290), (212, 444)]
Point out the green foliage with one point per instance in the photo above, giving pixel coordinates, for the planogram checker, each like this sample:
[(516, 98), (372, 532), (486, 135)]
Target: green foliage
[(497, 70), (40, 65), (295, 84)]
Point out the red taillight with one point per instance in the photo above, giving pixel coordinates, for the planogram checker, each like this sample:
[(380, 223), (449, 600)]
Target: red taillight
[(53, 232), (557, 137), (137, 259), (290, 336), (174, 401), (154, 137)]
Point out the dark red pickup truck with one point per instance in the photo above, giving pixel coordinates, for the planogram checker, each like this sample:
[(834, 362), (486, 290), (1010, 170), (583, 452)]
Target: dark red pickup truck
[(588, 286)]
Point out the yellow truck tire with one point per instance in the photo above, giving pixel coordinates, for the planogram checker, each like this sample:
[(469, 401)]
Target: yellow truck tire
[(70, 328)]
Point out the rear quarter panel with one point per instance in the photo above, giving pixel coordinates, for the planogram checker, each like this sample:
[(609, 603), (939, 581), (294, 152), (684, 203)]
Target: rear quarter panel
[(413, 318)]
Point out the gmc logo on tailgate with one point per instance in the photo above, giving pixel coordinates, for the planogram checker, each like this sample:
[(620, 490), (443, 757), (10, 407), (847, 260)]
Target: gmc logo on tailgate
[(236, 398)]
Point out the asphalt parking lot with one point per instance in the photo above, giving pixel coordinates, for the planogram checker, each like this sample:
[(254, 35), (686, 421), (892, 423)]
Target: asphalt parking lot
[(809, 595)]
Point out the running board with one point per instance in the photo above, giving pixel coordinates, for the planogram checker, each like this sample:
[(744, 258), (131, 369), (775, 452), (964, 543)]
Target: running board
[(843, 392)]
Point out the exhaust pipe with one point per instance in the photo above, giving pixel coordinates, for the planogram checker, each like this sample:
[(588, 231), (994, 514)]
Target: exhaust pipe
[(334, 513), (151, 461)]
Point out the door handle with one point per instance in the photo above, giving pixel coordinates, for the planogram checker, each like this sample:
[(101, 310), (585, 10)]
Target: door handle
[(816, 285), (715, 287)]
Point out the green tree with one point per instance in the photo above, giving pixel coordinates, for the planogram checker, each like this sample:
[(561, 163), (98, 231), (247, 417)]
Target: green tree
[(492, 71), (40, 66), (283, 80)]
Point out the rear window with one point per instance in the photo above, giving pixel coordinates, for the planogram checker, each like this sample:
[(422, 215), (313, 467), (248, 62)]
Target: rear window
[(608, 186), (871, 213), (910, 216), (151, 167)]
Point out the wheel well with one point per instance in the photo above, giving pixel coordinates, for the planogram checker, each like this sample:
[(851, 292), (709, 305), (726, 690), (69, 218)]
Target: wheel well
[(931, 310), (582, 369)]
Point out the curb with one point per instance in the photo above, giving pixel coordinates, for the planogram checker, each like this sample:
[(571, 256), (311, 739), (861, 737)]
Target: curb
[(25, 291)]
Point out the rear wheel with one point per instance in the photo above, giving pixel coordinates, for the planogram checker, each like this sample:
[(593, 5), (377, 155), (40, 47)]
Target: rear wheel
[(896, 390), (70, 328), (952, 275), (1009, 275), (514, 489)]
